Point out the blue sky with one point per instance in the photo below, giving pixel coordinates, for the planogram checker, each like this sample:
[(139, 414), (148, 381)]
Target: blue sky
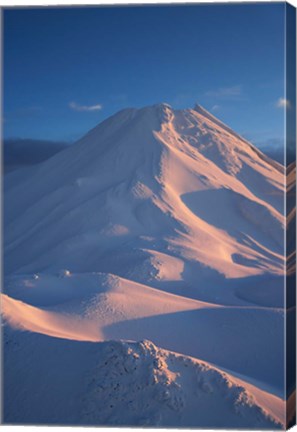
[(67, 69)]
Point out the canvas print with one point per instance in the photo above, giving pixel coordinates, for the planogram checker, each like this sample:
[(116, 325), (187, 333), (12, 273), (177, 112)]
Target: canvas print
[(149, 190)]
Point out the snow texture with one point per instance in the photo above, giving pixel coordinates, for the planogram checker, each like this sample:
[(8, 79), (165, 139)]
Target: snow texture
[(162, 226)]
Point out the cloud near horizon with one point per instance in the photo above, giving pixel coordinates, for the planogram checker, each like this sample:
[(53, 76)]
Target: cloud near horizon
[(77, 107)]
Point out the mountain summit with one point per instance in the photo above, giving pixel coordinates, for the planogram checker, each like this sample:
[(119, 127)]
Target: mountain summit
[(138, 196)]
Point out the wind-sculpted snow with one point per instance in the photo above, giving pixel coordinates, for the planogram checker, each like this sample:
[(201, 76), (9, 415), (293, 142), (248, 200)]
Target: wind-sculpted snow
[(159, 224), (154, 387), (126, 383), (98, 307)]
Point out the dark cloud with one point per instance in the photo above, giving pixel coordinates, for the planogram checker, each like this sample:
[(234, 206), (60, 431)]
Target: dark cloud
[(23, 152)]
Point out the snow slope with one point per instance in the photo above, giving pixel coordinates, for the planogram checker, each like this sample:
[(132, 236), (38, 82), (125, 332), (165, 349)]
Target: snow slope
[(291, 218), (125, 383), (137, 181), (159, 224), (98, 307)]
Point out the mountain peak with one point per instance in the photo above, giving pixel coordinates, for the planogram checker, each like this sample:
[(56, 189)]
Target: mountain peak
[(203, 111), (142, 174), (163, 105), (198, 107)]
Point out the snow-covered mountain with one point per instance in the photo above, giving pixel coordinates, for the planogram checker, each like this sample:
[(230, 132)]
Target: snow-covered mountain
[(148, 182), (158, 224)]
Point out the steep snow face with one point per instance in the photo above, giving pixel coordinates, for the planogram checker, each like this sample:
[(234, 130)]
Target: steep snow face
[(175, 182)]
